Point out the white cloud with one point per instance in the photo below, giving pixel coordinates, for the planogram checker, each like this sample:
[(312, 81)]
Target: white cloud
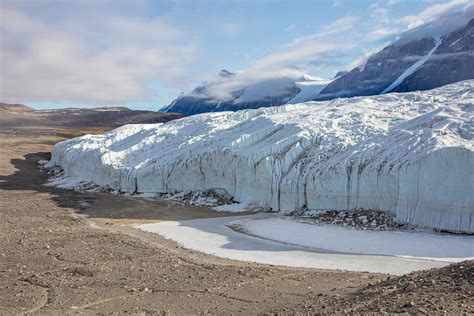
[(307, 52), (341, 25), (379, 14), (337, 3), (290, 28), (361, 61), (231, 28), (393, 2), (100, 59), (431, 12), (292, 60), (384, 24), (380, 33)]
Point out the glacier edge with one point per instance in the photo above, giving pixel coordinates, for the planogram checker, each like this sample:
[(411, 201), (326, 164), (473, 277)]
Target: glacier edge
[(410, 154)]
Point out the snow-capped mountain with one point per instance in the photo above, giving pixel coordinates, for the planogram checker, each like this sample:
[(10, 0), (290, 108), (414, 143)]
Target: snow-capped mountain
[(432, 55), (411, 154), (232, 92)]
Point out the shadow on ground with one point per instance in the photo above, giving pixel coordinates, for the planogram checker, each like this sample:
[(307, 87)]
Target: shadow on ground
[(30, 177)]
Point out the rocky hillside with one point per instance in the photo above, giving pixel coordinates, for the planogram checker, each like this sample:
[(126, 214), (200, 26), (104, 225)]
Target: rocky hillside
[(453, 61), (422, 59), (16, 115), (6, 107), (448, 290)]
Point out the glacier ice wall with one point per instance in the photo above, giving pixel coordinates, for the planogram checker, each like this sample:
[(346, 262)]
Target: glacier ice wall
[(408, 153)]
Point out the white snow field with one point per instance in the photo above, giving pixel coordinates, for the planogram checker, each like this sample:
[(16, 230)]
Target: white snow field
[(310, 89), (286, 242), (410, 154)]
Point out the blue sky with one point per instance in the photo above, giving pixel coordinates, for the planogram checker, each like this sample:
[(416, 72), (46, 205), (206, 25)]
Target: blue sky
[(142, 54)]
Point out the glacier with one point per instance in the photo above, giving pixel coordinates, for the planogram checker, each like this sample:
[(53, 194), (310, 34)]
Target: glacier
[(410, 154)]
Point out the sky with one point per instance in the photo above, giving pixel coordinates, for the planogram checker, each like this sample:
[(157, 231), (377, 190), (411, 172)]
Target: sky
[(142, 54)]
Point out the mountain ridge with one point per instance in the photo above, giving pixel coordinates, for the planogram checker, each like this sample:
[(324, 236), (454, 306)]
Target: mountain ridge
[(419, 60), (429, 56)]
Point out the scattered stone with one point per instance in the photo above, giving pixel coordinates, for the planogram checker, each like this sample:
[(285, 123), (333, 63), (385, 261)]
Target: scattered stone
[(415, 293), (360, 219), (410, 286), (409, 304), (82, 271), (207, 198)]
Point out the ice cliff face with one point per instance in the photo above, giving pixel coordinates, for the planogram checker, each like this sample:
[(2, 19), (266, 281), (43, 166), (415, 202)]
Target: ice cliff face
[(410, 154), (433, 55)]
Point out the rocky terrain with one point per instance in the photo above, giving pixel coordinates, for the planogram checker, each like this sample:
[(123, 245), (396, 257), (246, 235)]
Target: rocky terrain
[(453, 61), (359, 219), (209, 198), (422, 59), (448, 290)]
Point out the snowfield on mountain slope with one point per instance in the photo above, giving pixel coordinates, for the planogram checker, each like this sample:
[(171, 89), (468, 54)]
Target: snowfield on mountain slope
[(408, 153), (309, 89)]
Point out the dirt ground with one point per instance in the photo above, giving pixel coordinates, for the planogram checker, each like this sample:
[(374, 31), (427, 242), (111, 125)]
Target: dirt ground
[(65, 252)]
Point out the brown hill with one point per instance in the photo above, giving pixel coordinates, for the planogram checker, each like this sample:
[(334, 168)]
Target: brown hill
[(6, 107), (18, 115)]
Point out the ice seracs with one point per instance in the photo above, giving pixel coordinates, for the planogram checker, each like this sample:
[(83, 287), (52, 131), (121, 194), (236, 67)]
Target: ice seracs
[(409, 153)]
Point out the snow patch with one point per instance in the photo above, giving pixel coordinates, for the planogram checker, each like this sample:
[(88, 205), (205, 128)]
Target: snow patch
[(410, 70), (233, 208), (309, 89), (423, 245), (214, 236)]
